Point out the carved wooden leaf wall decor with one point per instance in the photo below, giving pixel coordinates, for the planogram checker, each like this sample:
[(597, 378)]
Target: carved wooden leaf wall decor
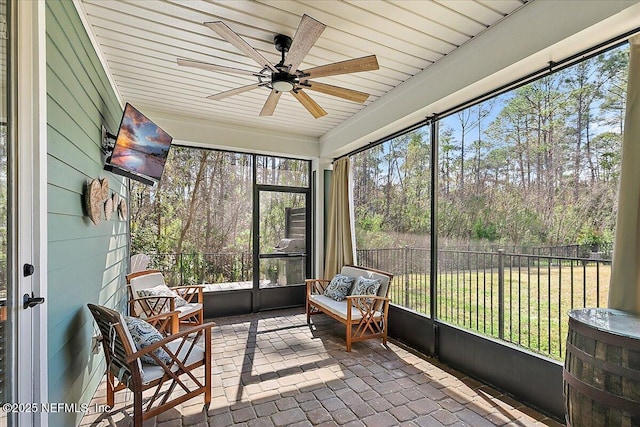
[(122, 208), (93, 201)]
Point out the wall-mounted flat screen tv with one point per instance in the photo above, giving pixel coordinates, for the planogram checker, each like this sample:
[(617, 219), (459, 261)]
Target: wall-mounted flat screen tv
[(141, 147)]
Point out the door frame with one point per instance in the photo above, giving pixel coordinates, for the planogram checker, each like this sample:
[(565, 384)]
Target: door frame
[(28, 123), (289, 295)]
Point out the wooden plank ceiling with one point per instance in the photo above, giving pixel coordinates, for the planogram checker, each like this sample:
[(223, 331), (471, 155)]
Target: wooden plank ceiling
[(141, 40)]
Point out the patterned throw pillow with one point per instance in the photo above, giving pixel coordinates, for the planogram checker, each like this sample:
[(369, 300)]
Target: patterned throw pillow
[(339, 287), (162, 291), (364, 286), (144, 335)]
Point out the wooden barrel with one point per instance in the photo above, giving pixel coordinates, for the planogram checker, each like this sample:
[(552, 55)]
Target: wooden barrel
[(602, 369)]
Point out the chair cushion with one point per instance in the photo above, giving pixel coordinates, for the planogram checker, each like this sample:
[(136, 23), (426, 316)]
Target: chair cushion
[(146, 280), (364, 286), (354, 271), (188, 309), (338, 308), (153, 372), (162, 291), (143, 335), (339, 287), (132, 343)]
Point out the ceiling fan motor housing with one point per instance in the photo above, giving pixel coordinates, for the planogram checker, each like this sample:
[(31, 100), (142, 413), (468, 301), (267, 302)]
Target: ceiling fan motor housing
[(282, 42), (283, 81)]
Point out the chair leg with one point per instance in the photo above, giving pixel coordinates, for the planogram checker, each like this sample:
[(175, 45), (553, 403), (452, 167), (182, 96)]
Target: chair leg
[(175, 324), (207, 368), (348, 337), (110, 390), (137, 409), (308, 312)]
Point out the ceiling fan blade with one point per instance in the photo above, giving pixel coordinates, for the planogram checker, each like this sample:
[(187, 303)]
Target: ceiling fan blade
[(270, 104), (232, 37), (341, 92), (308, 103), (307, 34), (366, 63), (212, 67), (236, 91)]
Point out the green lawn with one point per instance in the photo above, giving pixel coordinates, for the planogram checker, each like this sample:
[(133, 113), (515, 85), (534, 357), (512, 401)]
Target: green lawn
[(536, 300)]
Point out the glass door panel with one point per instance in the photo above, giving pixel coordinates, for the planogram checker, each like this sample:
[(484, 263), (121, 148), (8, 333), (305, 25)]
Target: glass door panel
[(283, 238), (276, 272)]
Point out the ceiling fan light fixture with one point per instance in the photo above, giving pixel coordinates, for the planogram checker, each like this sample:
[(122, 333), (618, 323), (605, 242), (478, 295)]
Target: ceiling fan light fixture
[(283, 82), (282, 86)]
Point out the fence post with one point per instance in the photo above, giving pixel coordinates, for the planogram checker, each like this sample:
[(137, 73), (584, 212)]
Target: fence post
[(501, 293), (181, 269), (406, 276)]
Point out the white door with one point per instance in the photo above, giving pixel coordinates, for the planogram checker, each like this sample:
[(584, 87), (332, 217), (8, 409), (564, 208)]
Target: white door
[(23, 351)]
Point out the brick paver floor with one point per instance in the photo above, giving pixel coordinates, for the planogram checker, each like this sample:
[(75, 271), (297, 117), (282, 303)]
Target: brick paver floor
[(272, 369)]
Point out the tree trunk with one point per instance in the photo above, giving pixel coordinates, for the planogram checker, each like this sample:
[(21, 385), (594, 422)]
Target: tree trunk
[(193, 201)]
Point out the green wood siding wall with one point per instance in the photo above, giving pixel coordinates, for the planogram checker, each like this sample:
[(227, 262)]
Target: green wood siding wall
[(87, 263)]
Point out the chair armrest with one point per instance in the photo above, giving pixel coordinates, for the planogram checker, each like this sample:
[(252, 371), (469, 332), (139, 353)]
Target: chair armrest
[(316, 286), (368, 305), (183, 336), (175, 288), (152, 306), (189, 292), (375, 297), (165, 323)]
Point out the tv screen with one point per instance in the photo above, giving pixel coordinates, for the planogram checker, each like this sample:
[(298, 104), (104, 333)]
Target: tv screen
[(141, 146)]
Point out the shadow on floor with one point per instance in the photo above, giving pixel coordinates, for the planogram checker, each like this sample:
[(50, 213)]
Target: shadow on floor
[(272, 369)]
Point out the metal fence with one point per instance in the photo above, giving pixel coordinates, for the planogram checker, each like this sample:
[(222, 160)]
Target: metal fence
[(520, 298), (194, 268), (410, 266)]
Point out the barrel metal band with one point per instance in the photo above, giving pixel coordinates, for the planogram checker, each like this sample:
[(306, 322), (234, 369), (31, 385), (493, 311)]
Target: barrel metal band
[(603, 364), (600, 396), (605, 337)]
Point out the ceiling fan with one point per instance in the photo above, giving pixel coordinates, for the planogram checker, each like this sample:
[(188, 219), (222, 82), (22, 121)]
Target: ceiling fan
[(285, 76)]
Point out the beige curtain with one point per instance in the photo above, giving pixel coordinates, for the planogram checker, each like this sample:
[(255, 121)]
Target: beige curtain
[(340, 240), (624, 290)]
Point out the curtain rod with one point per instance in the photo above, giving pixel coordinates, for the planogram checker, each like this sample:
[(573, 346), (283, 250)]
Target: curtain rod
[(386, 138), (551, 68)]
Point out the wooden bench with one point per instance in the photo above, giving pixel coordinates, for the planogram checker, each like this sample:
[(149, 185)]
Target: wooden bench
[(365, 316)]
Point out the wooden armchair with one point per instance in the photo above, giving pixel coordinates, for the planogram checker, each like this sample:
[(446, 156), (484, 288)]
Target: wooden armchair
[(139, 262), (365, 316), (174, 378), (189, 312)]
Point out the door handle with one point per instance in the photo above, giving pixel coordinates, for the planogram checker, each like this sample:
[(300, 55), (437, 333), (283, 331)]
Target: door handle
[(31, 301)]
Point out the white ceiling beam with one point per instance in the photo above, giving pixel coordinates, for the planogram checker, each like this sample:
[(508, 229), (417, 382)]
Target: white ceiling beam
[(226, 136)]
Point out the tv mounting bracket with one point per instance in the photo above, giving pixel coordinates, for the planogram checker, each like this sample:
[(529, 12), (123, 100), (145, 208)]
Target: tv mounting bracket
[(108, 141)]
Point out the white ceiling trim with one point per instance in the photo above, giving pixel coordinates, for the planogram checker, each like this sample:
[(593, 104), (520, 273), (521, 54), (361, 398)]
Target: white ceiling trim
[(96, 47), (433, 55), (138, 43)]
